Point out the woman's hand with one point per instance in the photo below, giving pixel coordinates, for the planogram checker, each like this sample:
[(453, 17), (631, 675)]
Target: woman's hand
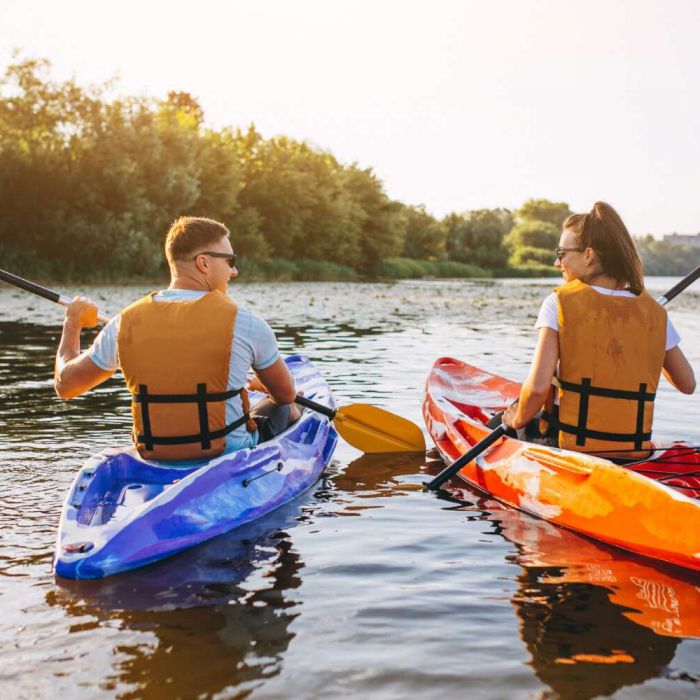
[(509, 416)]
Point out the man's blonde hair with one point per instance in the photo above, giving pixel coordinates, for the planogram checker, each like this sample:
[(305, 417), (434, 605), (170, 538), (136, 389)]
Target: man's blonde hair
[(188, 234)]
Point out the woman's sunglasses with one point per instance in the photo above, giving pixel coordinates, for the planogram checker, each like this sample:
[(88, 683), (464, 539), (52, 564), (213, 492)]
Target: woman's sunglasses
[(561, 252), (230, 259)]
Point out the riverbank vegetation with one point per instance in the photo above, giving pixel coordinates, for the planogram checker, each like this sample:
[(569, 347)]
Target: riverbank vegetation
[(89, 183)]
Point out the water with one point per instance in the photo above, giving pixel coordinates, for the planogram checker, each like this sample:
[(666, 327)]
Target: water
[(364, 587)]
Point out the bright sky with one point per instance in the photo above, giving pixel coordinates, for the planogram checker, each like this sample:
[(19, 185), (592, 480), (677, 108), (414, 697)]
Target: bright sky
[(456, 104)]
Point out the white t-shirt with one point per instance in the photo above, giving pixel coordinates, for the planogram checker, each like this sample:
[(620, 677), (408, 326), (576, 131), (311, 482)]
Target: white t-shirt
[(549, 314), (254, 345)]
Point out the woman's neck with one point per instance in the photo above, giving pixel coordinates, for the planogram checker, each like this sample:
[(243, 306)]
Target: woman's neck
[(601, 279)]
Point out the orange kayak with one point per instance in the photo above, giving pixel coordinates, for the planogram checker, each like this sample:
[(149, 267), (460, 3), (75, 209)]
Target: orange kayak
[(650, 507)]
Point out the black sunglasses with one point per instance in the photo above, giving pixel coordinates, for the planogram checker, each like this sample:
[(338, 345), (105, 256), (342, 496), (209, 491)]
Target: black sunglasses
[(561, 252), (230, 258)]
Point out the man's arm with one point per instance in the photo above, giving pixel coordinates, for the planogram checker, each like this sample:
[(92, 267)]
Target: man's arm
[(278, 382), (75, 373)]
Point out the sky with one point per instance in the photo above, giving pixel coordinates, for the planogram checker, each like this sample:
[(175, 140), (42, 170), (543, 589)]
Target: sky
[(455, 104)]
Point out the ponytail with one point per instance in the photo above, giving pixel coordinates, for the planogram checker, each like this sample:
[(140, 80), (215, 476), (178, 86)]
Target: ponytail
[(603, 230)]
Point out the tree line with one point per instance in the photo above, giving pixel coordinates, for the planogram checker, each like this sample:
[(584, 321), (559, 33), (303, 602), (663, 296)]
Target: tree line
[(89, 184)]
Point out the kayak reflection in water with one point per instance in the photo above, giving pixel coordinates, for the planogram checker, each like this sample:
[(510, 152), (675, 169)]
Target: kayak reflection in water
[(606, 339), (185, 353)]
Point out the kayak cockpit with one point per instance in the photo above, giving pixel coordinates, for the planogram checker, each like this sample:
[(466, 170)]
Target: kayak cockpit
[(119, 483)]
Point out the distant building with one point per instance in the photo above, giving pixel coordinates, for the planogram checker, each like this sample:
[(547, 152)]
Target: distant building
[(680, 239)]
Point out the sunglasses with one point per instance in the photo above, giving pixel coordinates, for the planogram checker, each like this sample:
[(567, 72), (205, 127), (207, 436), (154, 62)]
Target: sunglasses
[(561, 252), (230, 258)]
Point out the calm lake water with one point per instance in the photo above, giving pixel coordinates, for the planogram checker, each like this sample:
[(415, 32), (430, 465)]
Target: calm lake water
[(363, 587)]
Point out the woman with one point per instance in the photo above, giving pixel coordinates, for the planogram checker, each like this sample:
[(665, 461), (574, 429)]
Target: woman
[(608, 341)]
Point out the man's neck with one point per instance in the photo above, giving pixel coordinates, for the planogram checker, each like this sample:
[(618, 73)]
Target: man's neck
[(193, 284)]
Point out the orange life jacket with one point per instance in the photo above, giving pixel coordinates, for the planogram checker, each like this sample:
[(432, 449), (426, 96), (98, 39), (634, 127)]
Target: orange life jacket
[(611, 351), (175, 359)]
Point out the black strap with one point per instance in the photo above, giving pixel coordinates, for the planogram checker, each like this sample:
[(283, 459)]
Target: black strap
[(201, 398), (185, 398), (585, 390), (203, 416), (608, 393), (187, 439), (637, 438), (147, 437), (640, 416), (583, 411)]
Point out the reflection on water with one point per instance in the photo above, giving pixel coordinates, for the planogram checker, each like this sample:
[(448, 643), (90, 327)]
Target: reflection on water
[(594, 619), (217, 616), (366, 586)]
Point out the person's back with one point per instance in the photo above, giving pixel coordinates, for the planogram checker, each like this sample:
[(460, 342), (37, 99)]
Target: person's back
[(185, 353), (606, 340)]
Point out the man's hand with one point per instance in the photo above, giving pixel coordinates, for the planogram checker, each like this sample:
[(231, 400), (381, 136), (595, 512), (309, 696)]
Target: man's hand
[(74, 372), (81, 313)]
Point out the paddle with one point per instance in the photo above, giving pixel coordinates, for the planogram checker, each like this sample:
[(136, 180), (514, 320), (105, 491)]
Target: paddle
[(371, 429), (365, 427), (41, 291), (494, 435)]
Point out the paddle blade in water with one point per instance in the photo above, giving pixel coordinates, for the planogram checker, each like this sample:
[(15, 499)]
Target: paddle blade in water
[(372, 429)]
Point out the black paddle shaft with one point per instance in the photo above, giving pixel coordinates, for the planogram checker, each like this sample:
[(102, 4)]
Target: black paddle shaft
[(30, 286), (40, 291), (678, 288), (475, 451), (319, 408)]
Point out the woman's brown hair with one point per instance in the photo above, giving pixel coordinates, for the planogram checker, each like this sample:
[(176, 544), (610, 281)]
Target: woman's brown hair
[(603, 230)]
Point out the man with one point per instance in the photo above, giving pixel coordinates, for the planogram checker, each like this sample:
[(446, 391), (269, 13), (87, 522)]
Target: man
[(185, 353)]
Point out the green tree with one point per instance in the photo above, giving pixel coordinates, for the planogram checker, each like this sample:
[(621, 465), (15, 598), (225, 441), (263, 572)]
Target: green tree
[(534, 234), (527, 255), (298, 192), (554, 213), (665, 257), (382, 225), (477, 236), (425, 235)]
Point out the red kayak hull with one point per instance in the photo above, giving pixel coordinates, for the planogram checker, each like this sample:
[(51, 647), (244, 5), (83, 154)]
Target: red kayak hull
[(637, 508)]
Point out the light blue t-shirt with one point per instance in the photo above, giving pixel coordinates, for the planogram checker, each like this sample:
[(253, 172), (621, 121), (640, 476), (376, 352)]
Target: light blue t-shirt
[(254, 345)]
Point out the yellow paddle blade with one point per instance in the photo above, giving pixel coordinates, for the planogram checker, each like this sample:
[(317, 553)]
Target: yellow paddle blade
[(373, 429)]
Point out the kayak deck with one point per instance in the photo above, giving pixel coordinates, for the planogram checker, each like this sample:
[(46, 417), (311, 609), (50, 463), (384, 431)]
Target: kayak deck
[(123, 512), (648, 507)]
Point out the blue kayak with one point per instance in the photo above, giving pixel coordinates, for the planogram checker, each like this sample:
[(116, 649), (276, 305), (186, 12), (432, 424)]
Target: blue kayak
[(123, 511)]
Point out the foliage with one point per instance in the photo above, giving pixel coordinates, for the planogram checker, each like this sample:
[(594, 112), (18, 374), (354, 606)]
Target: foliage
[(425, 236), (281, 270), (92, 184), (407, 268), (554, 213), (476, 237), (89, 184), (666, 258), (533, 234), (530, 254)]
